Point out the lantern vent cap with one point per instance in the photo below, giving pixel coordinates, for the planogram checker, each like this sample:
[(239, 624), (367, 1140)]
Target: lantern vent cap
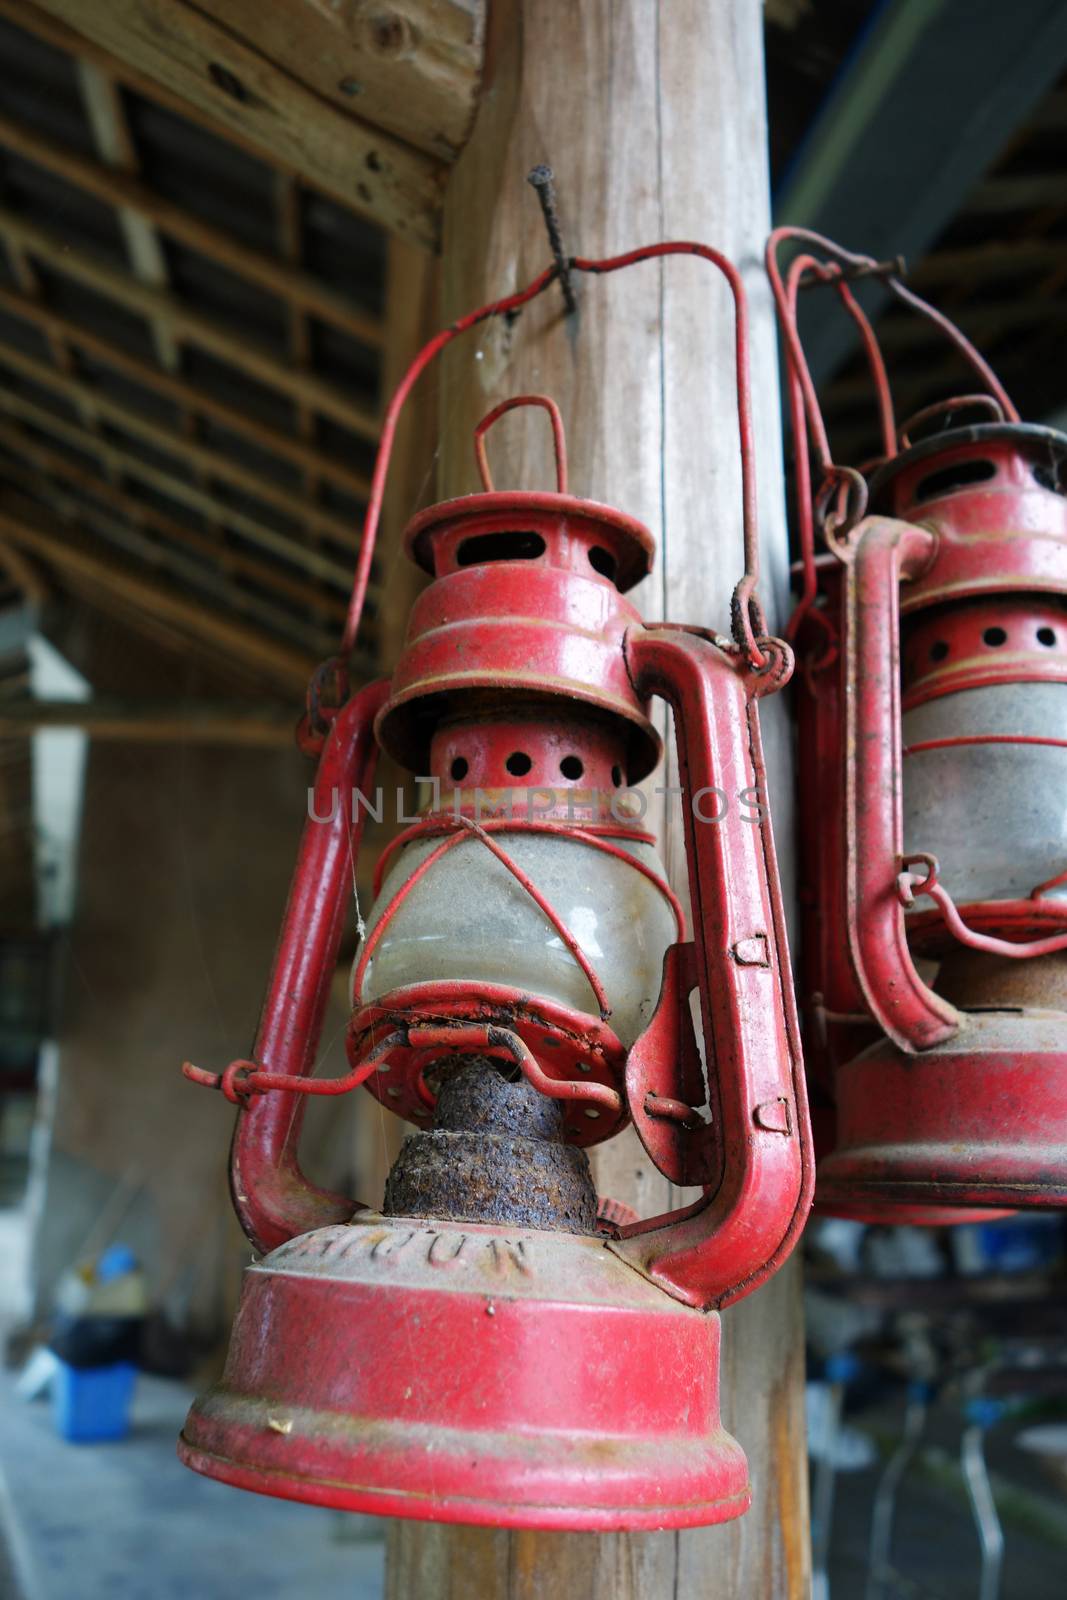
[(1039, 444)]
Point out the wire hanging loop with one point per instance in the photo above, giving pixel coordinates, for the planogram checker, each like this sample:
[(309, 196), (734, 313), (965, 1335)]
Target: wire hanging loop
[(805, 269), (747, 615), (559, 442), (840, 503)]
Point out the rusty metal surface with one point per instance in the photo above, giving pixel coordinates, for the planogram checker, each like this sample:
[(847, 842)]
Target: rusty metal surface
[(496, 1153), (574, 1050)]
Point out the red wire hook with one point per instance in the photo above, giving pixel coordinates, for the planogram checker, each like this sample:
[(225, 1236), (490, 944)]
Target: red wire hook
[(749, 623)]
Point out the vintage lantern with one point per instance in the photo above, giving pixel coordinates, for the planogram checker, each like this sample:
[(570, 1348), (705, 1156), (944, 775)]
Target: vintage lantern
[(933, 643), (493, 1346)]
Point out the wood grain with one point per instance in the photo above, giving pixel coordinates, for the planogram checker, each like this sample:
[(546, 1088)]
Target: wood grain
[(193, 55), (653, 121)]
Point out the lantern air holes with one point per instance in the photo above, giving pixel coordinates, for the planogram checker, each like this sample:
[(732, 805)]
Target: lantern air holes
[(938, 651), (961, 475), (506, 545), (592, 1113), (518, 763), (603, 561), (1047, 637), (571, 767), (994, 637), (459, 768)]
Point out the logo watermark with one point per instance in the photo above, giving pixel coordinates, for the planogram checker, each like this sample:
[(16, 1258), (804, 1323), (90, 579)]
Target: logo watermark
[(710, 804)]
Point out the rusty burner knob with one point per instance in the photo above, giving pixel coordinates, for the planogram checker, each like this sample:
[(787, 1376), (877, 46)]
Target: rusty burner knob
[(496, 1153)]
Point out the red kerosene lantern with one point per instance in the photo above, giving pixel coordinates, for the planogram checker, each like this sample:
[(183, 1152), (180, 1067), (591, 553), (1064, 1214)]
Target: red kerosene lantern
[(487, 1348), (933, 765)]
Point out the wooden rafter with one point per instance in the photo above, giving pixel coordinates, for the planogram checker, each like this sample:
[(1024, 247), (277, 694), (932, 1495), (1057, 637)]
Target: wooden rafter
[(112, 584), (209, 463), (413, 68), (270, 440), (172, 486), (128, 193), (156, 556), (56, 468), (195, 57), (988, 260), (237, 350)]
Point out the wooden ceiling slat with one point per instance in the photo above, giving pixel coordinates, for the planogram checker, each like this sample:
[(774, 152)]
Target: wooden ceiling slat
[(114, 142), (123, 462), (1017, 192), (996, 258), (208, 462), (125, 191), (195, 58), (277, 620), (53, 464), (237, 350), (185, 394), (31, 529)]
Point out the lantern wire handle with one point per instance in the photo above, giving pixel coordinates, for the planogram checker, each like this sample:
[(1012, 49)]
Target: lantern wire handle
[(798, 268), (748, 621), (559, 441), (843, 265), (909, 884)]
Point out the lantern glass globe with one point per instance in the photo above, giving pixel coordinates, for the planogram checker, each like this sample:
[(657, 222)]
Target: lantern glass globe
[(469, 919)]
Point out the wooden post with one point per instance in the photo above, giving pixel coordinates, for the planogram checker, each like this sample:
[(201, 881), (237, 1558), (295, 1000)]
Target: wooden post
[(653, 120)]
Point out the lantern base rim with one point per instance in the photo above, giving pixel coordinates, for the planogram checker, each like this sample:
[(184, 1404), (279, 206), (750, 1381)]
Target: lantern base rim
[(977, 1121), (383, 1502), (470, 1372)]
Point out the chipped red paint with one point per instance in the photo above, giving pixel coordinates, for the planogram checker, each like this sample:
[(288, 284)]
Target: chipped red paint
[(459, 1371)]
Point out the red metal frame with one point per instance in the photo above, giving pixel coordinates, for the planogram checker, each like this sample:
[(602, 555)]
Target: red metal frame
[(523, 659)]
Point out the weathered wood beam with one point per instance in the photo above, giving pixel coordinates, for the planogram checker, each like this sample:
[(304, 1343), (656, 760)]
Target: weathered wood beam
[(79, 513), (56, 326), (131, 196), (244, 354), (653, 120), (123, 462), (203, 458), (232, 722), (57, 468), (194, 55), (414, 68), (111, 582)]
